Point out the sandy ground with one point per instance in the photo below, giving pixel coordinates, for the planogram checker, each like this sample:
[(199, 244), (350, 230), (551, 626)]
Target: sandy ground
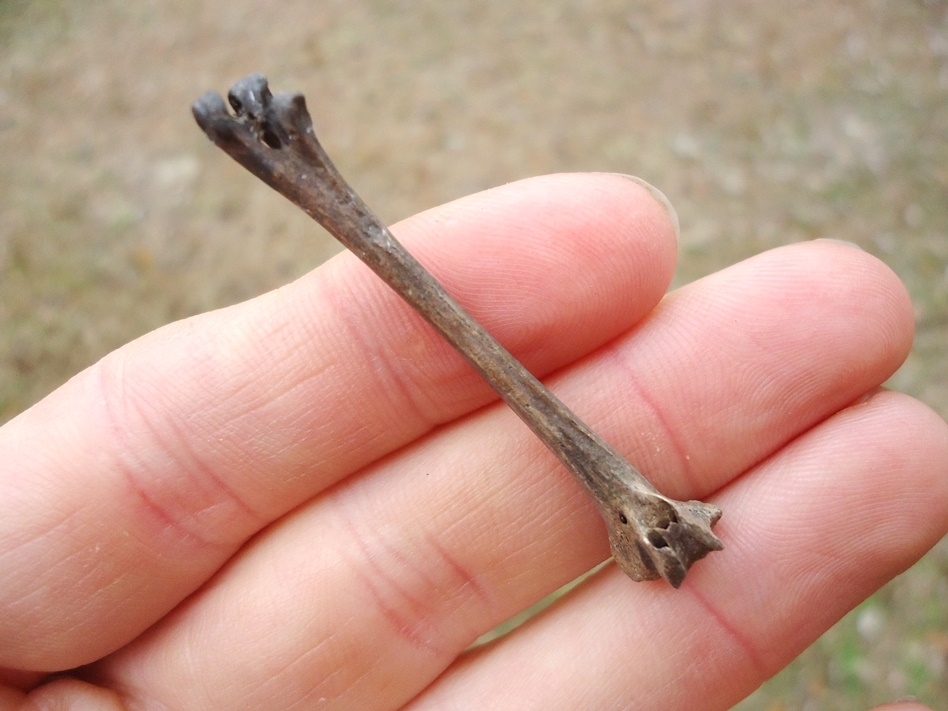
[(764, 126)]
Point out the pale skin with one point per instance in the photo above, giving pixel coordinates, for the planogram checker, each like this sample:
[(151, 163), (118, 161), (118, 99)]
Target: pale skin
[(309, 501)]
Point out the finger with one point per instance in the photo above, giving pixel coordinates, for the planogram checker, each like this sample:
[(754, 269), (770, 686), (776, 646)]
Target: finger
[(124, 490), (70, 694), (442, 541), (810, 533)]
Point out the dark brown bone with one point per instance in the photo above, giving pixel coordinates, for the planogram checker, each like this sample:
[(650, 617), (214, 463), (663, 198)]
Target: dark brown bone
[(272, 136)]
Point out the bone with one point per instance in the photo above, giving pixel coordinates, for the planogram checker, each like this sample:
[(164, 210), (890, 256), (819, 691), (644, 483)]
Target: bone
[(272, 136)]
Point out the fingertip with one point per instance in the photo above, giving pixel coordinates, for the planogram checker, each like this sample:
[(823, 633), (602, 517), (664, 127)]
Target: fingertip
[(882, 289), (663, 201), (71, 693), (857, 293), (856, 263)]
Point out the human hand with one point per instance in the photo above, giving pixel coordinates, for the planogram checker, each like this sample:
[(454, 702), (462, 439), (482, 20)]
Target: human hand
[(309, 500)]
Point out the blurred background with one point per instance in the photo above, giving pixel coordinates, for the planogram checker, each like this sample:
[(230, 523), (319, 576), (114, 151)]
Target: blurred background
[(764, 123)]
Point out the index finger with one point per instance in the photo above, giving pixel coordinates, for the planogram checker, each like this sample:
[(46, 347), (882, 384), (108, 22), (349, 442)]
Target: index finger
[(124, 490)]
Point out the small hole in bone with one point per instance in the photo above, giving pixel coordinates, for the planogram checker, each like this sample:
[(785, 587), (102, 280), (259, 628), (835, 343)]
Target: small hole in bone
[(271, 139), (657, 540), (671, 517)]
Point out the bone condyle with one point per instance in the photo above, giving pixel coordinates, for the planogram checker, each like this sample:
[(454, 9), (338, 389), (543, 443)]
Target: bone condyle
[(272, 136)]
